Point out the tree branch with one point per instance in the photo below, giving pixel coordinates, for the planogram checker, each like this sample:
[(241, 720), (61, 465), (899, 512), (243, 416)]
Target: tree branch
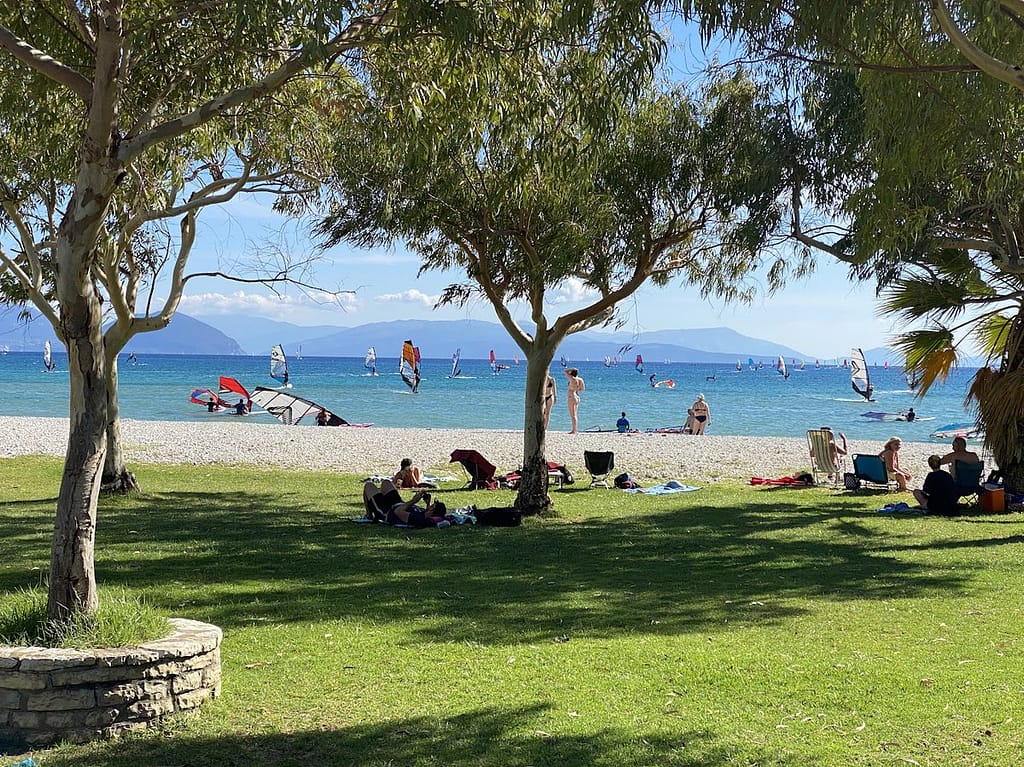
[(1011, 75), (45, 65)]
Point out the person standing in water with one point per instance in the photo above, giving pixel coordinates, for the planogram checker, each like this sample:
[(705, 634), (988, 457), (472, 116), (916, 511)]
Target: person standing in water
[(701, 414), (576, 387)]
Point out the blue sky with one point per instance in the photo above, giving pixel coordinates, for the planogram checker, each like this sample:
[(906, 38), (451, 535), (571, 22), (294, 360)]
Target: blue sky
[(823, 315)]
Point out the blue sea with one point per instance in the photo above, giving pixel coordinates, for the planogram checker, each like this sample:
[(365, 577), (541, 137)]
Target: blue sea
[(747, 402)]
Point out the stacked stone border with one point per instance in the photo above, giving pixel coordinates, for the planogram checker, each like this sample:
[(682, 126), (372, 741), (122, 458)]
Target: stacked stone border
[(49, 695)]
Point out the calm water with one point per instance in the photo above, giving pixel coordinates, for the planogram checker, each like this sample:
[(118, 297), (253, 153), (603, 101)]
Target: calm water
[(755, 403)]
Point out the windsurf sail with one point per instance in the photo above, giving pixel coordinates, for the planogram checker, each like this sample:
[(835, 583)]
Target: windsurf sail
[(912, 382), (739, 366), (208, 399), (668, 383), (564, 361), (515, 358), (859, 379), (751, 364), (456, 370), (496, 367), (607, 361), (409, 365), (4, 349), (289, 409), (48, 362), (228, 385), (639, 364), (278, 364), (132, 358), (780, 367), (370, 363)]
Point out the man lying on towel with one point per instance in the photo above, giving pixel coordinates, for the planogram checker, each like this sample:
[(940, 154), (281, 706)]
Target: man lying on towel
[(385, 504)]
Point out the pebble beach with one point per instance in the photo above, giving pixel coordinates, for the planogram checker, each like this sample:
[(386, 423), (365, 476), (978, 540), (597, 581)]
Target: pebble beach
[(649, 458)]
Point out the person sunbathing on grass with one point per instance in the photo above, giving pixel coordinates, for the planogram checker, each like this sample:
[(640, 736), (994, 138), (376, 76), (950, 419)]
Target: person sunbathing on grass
[(409, 476), (385, 504)]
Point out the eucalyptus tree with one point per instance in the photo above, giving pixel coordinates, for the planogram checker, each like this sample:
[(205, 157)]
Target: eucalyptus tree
[(911, 130), (142, 94), (556, 162)]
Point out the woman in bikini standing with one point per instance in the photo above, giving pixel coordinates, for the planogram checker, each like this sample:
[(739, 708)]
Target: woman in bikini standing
[(576, 386), (550, 396), (701, 414)]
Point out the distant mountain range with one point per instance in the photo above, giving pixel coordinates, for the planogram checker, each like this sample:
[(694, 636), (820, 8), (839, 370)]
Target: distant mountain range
[(436, 339)]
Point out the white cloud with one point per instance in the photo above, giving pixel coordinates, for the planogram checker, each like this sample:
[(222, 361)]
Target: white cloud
[(268, 305), (413, 296), (572, 291)]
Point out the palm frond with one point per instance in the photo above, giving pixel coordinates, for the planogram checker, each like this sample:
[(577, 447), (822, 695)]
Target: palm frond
[(914, 298), (931, 354), (999, 399), (991, 335)]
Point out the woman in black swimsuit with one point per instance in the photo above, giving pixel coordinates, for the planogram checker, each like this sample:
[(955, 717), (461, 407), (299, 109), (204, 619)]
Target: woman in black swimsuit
[(550, 395)]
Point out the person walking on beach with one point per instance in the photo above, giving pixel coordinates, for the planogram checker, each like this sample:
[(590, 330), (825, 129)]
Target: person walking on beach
[(550, 397), (576, 387), (890, 456), (701, 414)]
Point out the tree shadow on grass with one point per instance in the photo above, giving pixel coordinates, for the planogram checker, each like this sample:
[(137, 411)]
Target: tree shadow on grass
[(245, 557), (492, 737)]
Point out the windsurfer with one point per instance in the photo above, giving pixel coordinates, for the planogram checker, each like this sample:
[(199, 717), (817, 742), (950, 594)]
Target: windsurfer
[(911, 415), (576, 387), (240, 408), (550, 397), (652, 380), (322, 418), (211, 406)]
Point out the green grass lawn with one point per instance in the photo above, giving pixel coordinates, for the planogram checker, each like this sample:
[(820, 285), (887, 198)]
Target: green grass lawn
[(731, 626)]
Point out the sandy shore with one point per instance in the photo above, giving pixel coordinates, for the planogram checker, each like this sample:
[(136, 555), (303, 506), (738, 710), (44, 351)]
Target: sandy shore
[(648, 457)]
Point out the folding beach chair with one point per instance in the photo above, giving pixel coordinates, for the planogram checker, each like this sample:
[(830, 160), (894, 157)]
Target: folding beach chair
[(480, 470), (967, 478), (600, 465), (824, 459), (871, 468)]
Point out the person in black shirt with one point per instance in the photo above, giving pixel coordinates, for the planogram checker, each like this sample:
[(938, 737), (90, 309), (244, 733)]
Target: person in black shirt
[(938, 495)]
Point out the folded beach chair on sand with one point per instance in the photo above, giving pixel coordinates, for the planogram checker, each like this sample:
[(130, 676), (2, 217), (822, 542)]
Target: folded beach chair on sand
[(824, 460), (480, 470), (600, 465)]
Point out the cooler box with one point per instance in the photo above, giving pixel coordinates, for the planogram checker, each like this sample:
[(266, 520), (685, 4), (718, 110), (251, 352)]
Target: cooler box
[(993, 499)]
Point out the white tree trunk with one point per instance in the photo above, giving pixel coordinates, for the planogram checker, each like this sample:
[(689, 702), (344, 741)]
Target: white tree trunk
[(533, 497), (116, 477), (72, 586)]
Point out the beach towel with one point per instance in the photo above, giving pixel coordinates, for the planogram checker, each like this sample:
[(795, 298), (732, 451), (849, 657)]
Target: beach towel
[(784, 481), (672, 486), (900, 508)]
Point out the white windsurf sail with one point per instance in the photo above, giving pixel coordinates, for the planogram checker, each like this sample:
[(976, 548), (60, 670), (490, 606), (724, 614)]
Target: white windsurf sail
[(781, 367), (859, 379), (289, 409), (456, 371), (48, 362), (370, 363), (278, 364)]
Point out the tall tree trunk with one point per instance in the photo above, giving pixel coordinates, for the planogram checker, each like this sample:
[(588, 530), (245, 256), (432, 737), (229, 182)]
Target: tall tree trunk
[(116, 477), (72, 587), (533, 497)]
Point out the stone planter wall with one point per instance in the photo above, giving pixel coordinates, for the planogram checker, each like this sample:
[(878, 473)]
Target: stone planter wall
[(49, 695)]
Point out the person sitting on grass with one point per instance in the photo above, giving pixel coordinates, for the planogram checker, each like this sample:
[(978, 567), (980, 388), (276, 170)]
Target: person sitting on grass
[(938, 495), (385, 504), (409, 476)]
